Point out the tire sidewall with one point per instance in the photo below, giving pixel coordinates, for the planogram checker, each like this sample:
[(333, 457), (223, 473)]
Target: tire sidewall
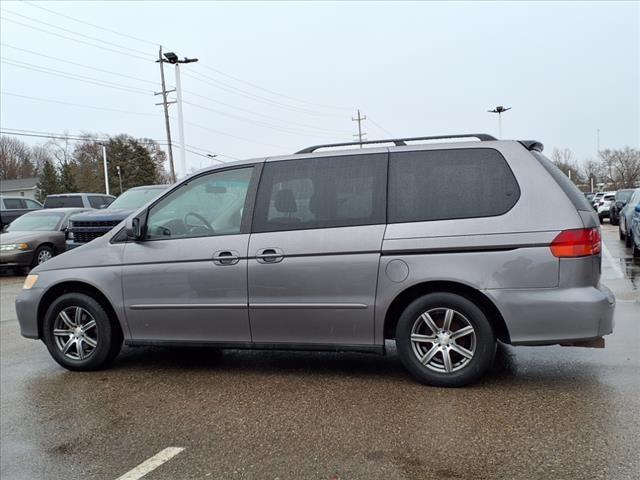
[(101, 353), (485, 340), (37, 254)]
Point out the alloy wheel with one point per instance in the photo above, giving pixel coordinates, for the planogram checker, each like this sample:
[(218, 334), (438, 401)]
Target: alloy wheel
[(44, 255), (443, 340), (75, 333)]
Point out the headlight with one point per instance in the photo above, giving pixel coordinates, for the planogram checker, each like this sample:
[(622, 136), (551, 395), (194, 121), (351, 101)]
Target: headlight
[(14, 246), (30, 281)]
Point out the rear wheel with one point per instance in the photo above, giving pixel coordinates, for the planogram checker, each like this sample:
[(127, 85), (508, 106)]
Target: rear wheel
[(445, 340), (628, 239), (78, 333)]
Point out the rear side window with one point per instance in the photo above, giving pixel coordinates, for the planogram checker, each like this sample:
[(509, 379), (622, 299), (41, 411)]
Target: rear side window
[(13, 203), (449, 184), (63, 201), (321, 193), (576, 196)]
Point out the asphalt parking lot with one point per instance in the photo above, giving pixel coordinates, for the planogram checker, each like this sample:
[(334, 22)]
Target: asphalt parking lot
[(542, 413)]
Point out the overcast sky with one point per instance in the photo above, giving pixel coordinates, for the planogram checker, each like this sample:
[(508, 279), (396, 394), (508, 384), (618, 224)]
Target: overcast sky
[(275, 77)]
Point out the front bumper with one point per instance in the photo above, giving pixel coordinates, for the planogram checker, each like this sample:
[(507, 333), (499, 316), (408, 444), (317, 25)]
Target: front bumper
[(547, 316), (27, 303), (16, 258), (70, 245)]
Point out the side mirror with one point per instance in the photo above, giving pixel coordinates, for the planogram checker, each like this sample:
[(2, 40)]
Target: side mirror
[(133, 228), (637, 208)]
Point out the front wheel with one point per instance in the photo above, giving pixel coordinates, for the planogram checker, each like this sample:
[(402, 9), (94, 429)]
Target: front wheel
[(78, 333), (42, 254), (445, 340)]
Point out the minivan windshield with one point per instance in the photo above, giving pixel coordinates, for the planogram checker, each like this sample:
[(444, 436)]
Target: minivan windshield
[(623, 195), (132, 199), (36, 222)]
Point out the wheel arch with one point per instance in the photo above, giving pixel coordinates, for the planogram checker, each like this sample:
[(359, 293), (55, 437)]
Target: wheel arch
[(404, 298), (75, 286)]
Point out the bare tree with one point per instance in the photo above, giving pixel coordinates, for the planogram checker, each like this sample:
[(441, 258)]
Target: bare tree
[(566, 162), (592, 169), (15, 159), (621, 167)]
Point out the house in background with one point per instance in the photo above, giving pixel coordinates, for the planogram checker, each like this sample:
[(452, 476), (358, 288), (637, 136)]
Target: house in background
[(21, 187)]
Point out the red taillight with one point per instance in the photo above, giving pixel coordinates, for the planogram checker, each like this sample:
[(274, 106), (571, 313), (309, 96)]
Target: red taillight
[(576, 243)]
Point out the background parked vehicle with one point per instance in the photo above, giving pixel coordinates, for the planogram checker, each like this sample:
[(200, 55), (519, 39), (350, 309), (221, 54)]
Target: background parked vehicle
[(626, 214), (78, 200), (605, 204), (88, 226), (35, 237), (589, 196), (622, 197), (13, 207), (635, 231), (596, 199)]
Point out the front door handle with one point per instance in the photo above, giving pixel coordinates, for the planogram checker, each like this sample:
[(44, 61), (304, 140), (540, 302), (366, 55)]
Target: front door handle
[(226, 257), (269, 255)]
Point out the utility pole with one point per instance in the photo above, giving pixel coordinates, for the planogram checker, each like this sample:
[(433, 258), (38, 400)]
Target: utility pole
[(172, 58), (499, 110), (106, 172), (359, 119), (165, 104)]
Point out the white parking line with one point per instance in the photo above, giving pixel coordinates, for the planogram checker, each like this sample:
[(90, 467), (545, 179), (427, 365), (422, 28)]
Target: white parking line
[(611, 261), (151, 464)]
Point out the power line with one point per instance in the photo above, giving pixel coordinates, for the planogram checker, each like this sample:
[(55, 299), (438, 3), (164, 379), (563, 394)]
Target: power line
[(268, 117), (115, 32), (237, 91), (380, 127), (78, 64), (232, 136), (219, 72), (93, 107), (76, 77), (73, 32), (76, 40)]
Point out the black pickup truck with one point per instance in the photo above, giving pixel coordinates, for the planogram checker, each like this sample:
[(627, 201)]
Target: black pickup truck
[(13, 207), (86, 226)]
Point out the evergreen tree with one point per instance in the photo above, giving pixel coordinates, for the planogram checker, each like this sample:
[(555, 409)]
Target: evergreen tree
[(67, 182), (49, 181)]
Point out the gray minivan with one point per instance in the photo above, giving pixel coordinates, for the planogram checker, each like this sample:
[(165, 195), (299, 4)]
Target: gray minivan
[(445, 248)]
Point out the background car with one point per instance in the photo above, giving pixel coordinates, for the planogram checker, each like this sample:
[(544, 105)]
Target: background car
[(622, 197), (635, 231), (13, 207), (89, 225), (79, 200), (596, 198), (605, 204), (35, 237), (626, 214)]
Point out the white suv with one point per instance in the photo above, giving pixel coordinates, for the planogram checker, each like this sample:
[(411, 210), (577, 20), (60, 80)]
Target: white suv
[(604, 205)]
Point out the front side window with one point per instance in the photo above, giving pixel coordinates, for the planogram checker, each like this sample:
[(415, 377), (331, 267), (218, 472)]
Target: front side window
[(431, 185), (322, 193), (208, 205), (32, 203)]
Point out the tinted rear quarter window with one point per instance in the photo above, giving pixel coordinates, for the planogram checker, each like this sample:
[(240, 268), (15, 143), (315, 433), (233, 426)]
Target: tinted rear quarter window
[(568, 187), (321, 193), (64, 201), (13, 203), (449, 184)]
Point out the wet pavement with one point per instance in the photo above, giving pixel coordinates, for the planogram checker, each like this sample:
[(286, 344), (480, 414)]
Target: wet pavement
[(542, 413)]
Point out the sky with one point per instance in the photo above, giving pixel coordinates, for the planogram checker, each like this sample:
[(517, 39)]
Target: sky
[(274, 77)]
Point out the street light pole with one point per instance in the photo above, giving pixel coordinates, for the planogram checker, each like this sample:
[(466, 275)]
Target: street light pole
[(171, 57), (499, 110), (106, 172)]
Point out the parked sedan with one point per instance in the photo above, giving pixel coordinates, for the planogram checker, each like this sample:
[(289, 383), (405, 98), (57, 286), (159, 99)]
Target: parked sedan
[(622, 197), (626, 214), (35, 237)]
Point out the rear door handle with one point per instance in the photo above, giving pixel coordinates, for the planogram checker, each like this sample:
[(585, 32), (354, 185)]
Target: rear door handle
[(226, 257), (269, 255)]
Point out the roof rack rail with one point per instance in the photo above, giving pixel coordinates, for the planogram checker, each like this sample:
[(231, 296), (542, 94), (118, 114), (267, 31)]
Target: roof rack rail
[(400, 142)]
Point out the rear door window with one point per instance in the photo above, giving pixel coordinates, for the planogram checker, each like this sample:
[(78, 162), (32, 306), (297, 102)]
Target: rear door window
[(63, 201), (322, 192), (449, 184), (13, 203)]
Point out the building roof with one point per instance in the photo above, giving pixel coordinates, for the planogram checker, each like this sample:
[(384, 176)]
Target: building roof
[(18, 184)]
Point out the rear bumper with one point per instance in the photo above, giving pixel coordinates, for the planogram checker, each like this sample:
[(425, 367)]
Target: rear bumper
[(556, 315)]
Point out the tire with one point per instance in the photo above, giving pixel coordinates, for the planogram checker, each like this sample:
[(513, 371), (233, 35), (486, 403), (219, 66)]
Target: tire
[(613, 219), (635, 249), (601, 219), (628, 239), (460, 371), (80, 355), (42, 254), (620, 234)]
